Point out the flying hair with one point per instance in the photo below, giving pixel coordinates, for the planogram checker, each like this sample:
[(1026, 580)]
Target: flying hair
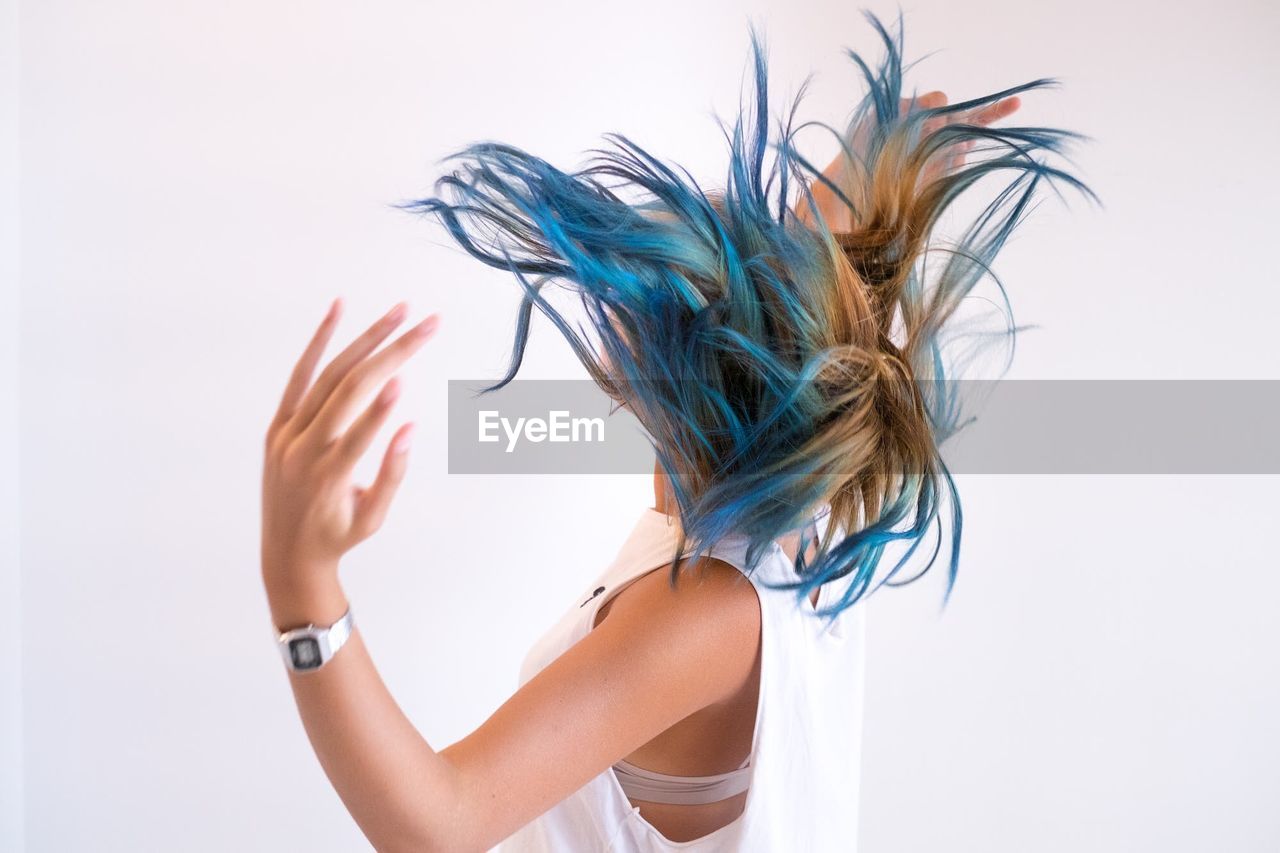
[(779, 359)]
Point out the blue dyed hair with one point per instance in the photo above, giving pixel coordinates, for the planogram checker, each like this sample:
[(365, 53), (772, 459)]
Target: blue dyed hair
[(780, 359)]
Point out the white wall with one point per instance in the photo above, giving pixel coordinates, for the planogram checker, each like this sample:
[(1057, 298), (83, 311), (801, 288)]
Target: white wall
[(199, 180), (11, 760)]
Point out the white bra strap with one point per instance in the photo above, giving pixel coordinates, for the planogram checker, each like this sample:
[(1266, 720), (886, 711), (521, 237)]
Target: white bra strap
[(652, 787)]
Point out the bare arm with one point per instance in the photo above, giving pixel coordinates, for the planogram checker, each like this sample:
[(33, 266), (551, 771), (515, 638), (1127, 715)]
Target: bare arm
[(661, 654)]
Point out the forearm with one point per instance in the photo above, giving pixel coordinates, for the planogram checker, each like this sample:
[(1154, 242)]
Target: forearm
[(400, 792)]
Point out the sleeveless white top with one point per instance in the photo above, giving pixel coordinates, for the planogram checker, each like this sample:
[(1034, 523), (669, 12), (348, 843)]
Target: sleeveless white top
[(806, 748)]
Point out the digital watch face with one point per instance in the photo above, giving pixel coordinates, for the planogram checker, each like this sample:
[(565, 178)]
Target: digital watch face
[(305, 652)]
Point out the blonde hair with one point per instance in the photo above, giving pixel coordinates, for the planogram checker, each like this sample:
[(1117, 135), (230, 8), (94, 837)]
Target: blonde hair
[(778, 364)]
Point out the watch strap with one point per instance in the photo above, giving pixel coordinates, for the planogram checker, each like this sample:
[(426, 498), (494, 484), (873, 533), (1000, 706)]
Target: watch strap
[(339, 631), (311, 646)]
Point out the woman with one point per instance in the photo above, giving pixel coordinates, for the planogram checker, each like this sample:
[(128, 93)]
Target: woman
[(786, 365)]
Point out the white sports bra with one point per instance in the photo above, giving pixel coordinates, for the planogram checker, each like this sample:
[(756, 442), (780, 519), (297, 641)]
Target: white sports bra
[(652, 787)]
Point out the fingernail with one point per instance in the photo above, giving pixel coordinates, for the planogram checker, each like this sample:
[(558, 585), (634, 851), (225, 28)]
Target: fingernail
[(403, 441), (396, 314), (426, 327), (389, 391)]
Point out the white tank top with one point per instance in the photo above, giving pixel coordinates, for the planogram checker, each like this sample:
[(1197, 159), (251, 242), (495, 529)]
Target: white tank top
[(806, 748)]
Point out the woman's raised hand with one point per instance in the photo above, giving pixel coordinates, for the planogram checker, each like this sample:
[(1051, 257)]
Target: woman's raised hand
[(982, 116), (836, 213), (311, 511)]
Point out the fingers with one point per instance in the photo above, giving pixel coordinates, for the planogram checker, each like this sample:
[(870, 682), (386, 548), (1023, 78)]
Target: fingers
[(932, 101), (959, 151), (362, 379), (357, 439), (983, 115), (300, 378), (994, 112), (928, 101), (955, 156), (338, 369), (372, 503)]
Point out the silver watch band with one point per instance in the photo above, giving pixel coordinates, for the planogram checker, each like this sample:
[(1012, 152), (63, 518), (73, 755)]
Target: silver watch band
[(310, 647)]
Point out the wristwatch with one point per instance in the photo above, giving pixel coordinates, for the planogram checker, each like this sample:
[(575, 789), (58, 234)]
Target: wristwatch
[(310, 647)]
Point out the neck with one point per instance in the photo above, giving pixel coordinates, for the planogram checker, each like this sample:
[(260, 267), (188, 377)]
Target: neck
[(663, 501)]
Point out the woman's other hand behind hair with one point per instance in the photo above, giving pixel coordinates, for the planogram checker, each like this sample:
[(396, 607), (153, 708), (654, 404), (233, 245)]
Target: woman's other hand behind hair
[(837, 215), (955, 154)]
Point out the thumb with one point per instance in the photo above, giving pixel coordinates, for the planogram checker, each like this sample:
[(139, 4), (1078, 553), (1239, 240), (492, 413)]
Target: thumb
[(372, 503)]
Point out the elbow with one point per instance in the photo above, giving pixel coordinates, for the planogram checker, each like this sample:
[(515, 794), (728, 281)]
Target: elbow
[(433, 836), (436, 822), (430, 842)]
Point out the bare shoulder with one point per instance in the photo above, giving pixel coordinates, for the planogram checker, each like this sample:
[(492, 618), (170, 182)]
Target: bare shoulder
[(712, 612), (662, 653)]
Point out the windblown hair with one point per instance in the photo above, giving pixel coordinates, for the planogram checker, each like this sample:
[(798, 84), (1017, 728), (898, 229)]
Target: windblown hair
[(778, 364)]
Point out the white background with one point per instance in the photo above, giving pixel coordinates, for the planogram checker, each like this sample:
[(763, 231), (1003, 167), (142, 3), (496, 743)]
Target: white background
[(195, 181)]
